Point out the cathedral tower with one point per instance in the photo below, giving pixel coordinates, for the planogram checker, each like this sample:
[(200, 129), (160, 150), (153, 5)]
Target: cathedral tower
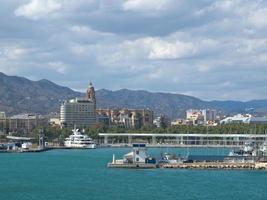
[(90, 94)]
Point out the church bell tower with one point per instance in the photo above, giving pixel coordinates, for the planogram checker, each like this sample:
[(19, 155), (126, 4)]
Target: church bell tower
[(90, 94)]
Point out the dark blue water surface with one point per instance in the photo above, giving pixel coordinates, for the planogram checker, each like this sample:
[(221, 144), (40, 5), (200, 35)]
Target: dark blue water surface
[(82, 174)]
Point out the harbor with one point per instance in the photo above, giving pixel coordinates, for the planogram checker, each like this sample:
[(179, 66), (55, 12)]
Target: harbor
[(250, 156), (82, 174)]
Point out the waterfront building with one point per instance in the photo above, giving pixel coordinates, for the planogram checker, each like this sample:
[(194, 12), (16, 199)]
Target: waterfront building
[(79, 112), (246, 119), (25, 123), (138, 155), (128, 118)]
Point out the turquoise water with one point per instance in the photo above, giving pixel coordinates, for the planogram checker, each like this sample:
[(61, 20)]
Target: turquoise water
[(82, 174)]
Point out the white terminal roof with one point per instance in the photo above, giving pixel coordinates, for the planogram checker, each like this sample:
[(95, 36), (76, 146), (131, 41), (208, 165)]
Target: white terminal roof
[(244, 118), (184, 135)]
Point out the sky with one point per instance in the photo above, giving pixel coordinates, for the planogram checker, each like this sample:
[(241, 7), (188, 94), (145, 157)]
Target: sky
[(211, 49)]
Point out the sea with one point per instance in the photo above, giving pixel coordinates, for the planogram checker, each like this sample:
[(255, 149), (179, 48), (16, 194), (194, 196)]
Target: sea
[(82, 175)]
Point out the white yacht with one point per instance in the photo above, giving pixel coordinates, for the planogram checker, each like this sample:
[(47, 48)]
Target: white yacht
[(79, 140)]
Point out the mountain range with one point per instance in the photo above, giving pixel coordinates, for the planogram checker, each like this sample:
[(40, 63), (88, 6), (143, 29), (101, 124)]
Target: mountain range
[(21, 95)]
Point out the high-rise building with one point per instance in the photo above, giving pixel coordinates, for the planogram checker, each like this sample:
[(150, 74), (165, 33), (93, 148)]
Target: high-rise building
[(3, 122), (209, 115), (79, 112)]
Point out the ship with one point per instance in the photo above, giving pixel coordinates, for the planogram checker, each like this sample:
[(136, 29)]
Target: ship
[(79, 140)]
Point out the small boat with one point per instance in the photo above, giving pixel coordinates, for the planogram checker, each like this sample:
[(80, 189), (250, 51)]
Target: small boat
[(79, 140), (172, 158), (247, 150), (26, 145)]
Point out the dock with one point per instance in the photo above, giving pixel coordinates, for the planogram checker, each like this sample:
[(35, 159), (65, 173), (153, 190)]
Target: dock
[(132, 165)]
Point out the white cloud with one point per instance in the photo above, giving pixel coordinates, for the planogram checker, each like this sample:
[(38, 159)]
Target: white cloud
[(58, 67), (13, 52), (147, 5), (258, 18), (149, 44), (38, 9), (160, 49)]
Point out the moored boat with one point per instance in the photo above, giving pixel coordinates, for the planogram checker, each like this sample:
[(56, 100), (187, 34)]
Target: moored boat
[(79, 140), (248, 149)]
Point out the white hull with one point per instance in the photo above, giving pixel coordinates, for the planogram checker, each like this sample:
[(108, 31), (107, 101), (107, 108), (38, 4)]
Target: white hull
[(78, 140), (81, 146)]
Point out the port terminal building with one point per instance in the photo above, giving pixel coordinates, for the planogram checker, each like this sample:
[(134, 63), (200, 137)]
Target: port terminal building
[(181, 140)]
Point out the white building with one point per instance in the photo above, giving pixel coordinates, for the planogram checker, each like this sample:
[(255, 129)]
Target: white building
[(79, 112), (138, 155), (201, 116), (2, 115), (246, 119)]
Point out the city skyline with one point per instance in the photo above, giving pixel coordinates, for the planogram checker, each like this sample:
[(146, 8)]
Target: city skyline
[(207, 49)]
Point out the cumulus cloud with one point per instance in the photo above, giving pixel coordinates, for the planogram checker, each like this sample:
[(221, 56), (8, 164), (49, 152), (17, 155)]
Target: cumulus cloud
[(37, 9), (148, 5), (211, 49)]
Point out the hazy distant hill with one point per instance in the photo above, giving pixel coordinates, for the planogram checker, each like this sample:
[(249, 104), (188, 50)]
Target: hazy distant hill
[(19, 95)]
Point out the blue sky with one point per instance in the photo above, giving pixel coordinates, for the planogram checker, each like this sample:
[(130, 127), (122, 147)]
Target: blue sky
[(211, 49)]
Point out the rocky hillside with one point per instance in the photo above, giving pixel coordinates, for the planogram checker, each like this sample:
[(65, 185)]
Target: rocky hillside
[(18, 95)]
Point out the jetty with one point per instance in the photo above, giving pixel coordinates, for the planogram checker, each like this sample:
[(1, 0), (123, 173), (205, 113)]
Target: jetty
[(248, 157), (215, 165)]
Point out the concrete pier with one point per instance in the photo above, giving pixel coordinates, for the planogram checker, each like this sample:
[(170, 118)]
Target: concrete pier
[(132, 165)]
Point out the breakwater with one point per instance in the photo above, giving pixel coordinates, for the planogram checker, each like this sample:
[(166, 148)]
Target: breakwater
[(215, 165), (197, 165)]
